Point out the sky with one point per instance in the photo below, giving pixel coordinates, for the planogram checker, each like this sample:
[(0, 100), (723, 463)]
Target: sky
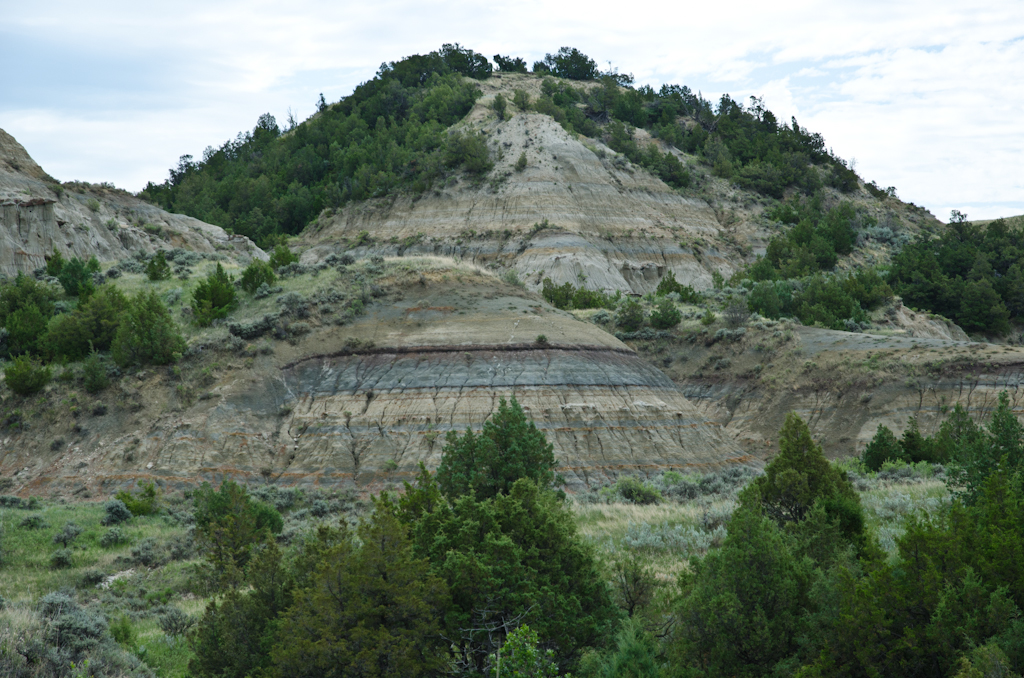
[(923, 95)]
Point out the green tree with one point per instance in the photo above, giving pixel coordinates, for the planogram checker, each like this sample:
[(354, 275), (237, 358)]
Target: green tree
[(520, 657), (229, 522), (25, 375), (510, 64), (665, 315), (75, 279), (25, 327), (157, 268), (54, 264), (66, 337), (630, 316), (102, 314), (213, 297), (371, 610), (800, 476), (508, 448), (281, 256), (741, 609), (94, 374), (500, 106), (511, 559), (257, 273), (884, 446), (235, 635), (635, 654), (570, 63), (147, 333)]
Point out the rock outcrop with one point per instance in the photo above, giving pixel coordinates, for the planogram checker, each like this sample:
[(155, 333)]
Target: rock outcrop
[(38, 215)]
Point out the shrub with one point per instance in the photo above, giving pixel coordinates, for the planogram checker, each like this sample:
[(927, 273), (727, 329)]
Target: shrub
[(26, 375), (282, 256), (468, 151), (158, 268), (142, 504), (68, 535), (175, 623), (147, 333), (94, 374), (117, 512), (669, 284), (520, 98), (25, 326), (636, 492), (214, 297), (500, 106), (708, 319), (75, 278), (33, 522), (62, 559), (124, 633), (665, 315), (93, 577), (115, 536), (630, 316), (93, 204), (257, 274), (521, 162), (66, 337), (542, 339), (54, 264), (102, 315)]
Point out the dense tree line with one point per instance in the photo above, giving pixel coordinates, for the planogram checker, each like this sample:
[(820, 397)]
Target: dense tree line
[(972, 274), (484, 555)]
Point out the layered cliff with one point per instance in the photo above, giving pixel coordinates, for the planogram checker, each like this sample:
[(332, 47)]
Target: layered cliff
[(39, 214), (364, 402)]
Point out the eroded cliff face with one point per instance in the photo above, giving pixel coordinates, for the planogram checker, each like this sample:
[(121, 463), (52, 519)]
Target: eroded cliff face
[(38, 215), (577, 213), (842, 384), (363, 404)]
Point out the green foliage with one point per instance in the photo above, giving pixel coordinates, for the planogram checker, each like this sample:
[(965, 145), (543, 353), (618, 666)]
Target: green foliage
[(741, 608), (101, 315), (66, 337), (799, 477), (567, 296), (668, 284), (282, 256), (236, 634), (372, 609), (636, 492), (511, 559), (257, 273), (972, 274), (25, 327), (142, 504), (486, 464), (54, 264), (630, 316), (214, 297), (510, 64), (157, 267), (468, 151), (521, 99), (146, 333), (572, 64), (229, 523), (884, 446), (388, 135), (500, 106), (665, 315), (521, 162), (635, 654), (521, 658), (75, 279), (708, 319), (25, 375)]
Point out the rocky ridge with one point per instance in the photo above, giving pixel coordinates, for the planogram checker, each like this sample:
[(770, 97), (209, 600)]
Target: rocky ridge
[(39, 214)]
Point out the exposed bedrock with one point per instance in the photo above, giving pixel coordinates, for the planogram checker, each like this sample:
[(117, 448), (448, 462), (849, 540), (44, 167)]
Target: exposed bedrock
[(366, 420)]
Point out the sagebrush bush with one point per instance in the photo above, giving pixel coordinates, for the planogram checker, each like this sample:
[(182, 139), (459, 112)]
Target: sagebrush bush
[(116, 512), (115, 536)]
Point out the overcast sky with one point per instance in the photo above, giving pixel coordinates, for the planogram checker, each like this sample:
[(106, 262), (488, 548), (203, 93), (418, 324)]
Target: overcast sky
[(926, 96)]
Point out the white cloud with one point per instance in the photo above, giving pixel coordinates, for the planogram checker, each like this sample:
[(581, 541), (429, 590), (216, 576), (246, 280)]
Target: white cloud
[(925, 94)]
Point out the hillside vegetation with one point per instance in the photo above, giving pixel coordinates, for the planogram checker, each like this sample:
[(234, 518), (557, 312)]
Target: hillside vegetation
[(790, 572)]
